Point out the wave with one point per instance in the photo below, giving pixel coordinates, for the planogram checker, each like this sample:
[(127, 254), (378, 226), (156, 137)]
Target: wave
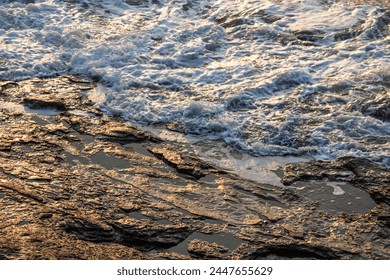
[(267, 77)]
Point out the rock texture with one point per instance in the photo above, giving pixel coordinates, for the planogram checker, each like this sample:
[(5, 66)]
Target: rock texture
[(75, 184)]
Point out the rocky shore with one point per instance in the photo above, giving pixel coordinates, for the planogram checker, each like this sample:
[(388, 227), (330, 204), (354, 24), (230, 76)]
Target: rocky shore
[(76, 184)]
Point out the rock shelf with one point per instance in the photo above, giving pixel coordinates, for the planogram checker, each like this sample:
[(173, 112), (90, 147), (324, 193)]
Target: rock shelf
[(76, 184)]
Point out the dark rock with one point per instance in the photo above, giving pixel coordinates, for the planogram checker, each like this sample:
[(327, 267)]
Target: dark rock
[(293, 251), (46, 216), (34, 103), (380, 194), (133, 235), (149, 238), (89, 231)]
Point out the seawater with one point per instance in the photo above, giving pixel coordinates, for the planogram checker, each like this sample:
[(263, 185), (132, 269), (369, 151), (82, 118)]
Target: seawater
[(269, 77)]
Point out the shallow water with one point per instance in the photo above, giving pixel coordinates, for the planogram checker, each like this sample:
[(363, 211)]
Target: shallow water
[(336, 196), (272, 78), (21, 109), (227, 240)]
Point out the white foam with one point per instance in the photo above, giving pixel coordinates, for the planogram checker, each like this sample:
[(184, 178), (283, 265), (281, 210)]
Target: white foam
[(97, 95), (325, 19), (337, 190)]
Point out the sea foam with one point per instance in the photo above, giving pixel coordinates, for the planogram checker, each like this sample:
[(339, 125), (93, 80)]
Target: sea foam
[(266, 77)]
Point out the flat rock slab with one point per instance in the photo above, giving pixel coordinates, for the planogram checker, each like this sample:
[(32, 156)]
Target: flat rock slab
[(75, 184)]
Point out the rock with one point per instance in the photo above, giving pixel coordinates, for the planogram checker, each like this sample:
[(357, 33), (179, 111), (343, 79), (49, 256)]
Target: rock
[(81, 185), (206, 250), (35, 103), (175, 127), (46, 216), (122, 133), (183, 163), (292, 251), (152, 236), (142, 236)]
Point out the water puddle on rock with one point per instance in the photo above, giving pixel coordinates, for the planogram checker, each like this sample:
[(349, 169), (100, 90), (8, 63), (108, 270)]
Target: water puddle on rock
[(337, 196), (227, 240), (100, 158), (139, 148), (26, 148), (22, 109), (109, 161), (40, 120), (86, 138), (209, 178), (140, 216), (75, 159), (50, 112)]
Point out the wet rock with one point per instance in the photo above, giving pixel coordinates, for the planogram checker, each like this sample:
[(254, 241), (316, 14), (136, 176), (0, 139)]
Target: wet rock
[(119, 132), (152, 237), (292, 251), (34, 103), (137, 234), (175, 127), (46, 216), (81, 185), (380, 193), (8, 251), (206, 250), (350, 169), (183, 163), (88, 231), (7, 84)]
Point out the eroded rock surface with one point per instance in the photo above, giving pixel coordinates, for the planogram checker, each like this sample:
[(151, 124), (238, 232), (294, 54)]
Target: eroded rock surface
[(75, 184)]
